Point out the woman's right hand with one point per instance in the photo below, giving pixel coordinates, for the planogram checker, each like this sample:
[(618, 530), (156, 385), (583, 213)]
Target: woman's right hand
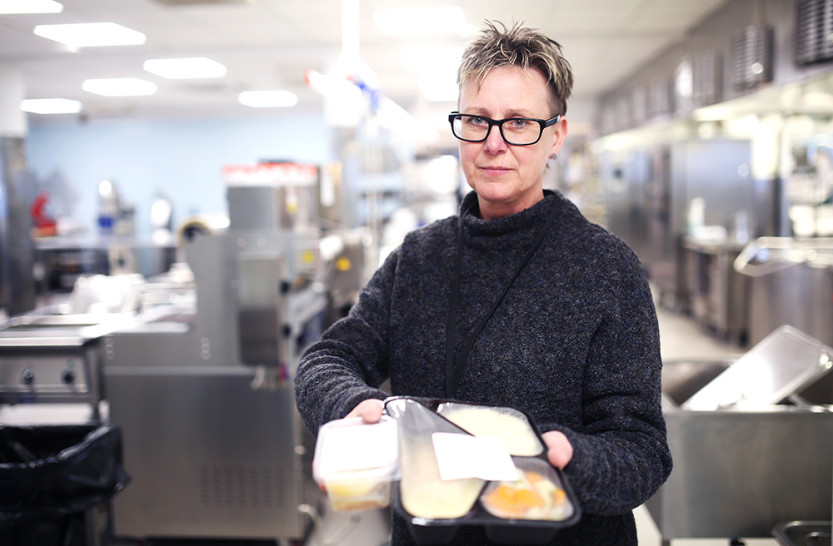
[(369, 410)]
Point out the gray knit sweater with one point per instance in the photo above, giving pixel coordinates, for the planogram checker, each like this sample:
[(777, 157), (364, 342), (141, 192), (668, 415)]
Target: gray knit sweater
[(574, 344)]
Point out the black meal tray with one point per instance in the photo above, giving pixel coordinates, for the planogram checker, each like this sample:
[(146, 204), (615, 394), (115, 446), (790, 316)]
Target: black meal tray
[(497, 529)]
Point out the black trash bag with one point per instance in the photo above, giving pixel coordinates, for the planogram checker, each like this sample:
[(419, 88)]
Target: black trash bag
[(52, 471), (69, 530)]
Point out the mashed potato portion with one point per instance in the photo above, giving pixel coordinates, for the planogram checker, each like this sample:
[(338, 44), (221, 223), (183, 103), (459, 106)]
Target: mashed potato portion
[(506, 423), (426, 495)]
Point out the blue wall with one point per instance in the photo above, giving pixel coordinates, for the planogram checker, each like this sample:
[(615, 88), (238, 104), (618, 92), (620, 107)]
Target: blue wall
[(181, 159)]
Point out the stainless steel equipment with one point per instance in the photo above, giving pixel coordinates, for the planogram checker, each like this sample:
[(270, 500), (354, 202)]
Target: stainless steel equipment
[(343, 252), (803, 533), (50, 374), (203, 392), (53, 356), (62, 260), (718, 295), (195, 365), (784, 363), (648, 189), (209, 455), (790, 282), (17, 289), (214, 446), (51, 359), (740, 472), (809, 188)]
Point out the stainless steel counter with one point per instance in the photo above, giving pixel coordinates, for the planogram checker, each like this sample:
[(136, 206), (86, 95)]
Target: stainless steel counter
[(739, 473)]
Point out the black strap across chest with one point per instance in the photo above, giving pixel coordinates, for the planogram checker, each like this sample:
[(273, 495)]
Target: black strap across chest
[(453, 370)]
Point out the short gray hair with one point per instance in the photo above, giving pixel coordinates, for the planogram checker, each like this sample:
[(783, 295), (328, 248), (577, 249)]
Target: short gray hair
[(518, 46)]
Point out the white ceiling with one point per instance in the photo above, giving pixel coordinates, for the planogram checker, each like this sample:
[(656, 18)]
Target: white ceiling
[(269, 44)]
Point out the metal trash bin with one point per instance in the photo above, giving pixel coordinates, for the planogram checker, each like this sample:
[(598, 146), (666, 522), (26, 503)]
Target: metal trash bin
[(739, 470), (52, 478)]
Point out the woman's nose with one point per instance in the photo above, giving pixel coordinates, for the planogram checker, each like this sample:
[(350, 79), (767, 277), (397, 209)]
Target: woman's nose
[(494, 140)]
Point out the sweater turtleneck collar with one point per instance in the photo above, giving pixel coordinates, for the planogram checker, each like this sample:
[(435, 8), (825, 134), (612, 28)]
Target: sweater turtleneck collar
[(520, 221)]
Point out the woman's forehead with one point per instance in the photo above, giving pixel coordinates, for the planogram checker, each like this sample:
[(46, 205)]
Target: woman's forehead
[(507, 87)]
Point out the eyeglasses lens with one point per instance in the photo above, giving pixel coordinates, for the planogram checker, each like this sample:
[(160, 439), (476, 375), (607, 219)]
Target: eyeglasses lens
[(515, 131)]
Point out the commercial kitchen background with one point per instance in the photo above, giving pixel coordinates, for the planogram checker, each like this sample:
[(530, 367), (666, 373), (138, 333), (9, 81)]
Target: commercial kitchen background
[(704, 138)]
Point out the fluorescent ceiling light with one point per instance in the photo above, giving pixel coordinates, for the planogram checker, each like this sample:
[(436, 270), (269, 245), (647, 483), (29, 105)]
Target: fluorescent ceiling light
[(185, 68), (90, 34), (50, 106), (119, 87), (29, 6), (268, 99), (439, 20)]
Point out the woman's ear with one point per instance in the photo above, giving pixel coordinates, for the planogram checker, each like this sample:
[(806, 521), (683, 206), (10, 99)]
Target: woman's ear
[(560, 135)]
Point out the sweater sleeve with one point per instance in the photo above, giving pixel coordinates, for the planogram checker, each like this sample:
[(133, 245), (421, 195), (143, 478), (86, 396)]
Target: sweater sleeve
[(621, 455), (350, 360)]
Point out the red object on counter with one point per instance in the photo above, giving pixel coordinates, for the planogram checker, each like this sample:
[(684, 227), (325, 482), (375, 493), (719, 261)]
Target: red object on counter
[(44, 224)]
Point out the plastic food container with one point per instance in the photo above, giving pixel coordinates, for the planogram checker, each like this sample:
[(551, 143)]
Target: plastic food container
[(531, 509), (356, 462)]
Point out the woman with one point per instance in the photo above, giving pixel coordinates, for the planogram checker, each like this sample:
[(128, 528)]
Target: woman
[(517, 301)]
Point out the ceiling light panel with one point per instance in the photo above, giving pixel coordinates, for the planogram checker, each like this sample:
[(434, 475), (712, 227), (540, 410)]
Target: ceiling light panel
[(119, 87), (185, 68), (50, 106), (203, 2), (415, 21), (79, 35), (277, 98), (9, 7)]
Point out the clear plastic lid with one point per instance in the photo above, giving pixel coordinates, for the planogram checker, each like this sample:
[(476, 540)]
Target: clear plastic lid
[(352, 449), (508, 424)]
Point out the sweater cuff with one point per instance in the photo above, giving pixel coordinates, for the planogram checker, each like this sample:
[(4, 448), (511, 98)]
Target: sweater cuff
[(353, 398)]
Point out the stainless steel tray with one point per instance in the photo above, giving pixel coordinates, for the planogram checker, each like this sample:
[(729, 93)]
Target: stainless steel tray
[(803, 533), (782, 364)]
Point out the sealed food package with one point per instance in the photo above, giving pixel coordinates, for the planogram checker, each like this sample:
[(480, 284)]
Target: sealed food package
[(529, 505), (355, 462), (537, 494), (509, 424), (423, 492)]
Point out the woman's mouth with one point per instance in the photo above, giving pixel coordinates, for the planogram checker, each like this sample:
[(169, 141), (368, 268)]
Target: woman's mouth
[(494, 170)]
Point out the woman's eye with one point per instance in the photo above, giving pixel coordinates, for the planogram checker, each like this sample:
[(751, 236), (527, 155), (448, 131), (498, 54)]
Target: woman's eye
[(518, 123), (474, 120)]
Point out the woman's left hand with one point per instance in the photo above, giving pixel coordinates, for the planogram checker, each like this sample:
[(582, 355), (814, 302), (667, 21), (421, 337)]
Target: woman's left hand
[(559, 448), (369, 410)]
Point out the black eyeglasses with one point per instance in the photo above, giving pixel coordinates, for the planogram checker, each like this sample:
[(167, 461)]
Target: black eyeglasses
[(515, 131)]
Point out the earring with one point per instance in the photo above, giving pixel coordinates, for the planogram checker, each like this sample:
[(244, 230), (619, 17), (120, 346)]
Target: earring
[(554, 156)]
